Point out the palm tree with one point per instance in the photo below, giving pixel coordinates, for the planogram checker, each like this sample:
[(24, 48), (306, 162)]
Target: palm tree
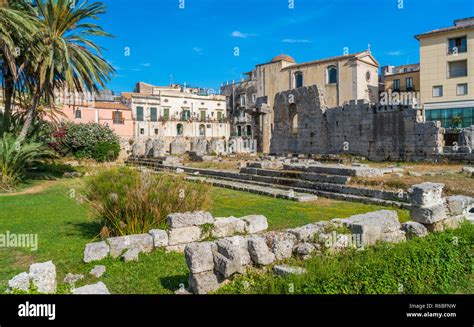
[(67, 58), (17, 28)]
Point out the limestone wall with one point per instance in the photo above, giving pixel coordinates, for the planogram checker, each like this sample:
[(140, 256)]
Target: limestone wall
[(374, 131)]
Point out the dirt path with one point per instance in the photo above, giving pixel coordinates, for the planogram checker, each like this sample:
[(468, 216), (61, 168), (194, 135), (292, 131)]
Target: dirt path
[(32, 190)]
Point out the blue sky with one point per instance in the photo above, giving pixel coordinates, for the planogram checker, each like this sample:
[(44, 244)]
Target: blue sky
[(196, 44)]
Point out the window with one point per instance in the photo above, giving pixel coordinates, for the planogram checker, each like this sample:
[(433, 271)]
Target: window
[(117, 117), (142, 131), (294, 124), (243, 99), (298, 79), (248, 131), (457, 45), (437, 91), (396, 84), (78, 114), (219, 115), (166, 114), (153, 114), (156, 131), (186, 114), (203, 115), (139, 113), (331, 75), (202, 130), (239, 131), (457, 68), (179, 129), (368, 76), (461, 89), (409, 83), (452, 117), (254, 98)]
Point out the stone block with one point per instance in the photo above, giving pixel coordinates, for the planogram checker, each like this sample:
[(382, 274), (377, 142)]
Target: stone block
[(186, 219), (428, 214), (281, 244), (160, 237), (43, 277), (97, 271), (204, 282), (394, 237), (426, 194), (255, 223), (260, 253), (458, 204), (96, 251), (284, 270), (131, 255), (142, 242), (307, 232), (20, 282), (414, 229), (184, 235), (92, 289), (224, 227), (199, 257)]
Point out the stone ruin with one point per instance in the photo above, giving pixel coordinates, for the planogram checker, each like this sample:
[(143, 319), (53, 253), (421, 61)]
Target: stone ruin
[(304, 124)]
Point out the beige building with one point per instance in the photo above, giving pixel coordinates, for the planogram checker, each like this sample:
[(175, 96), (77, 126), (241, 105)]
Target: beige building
[(344, 78), (447, 73), (168, 113), (404, 80)]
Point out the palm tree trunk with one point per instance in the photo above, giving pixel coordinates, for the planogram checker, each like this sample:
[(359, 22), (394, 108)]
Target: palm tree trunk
[(30, 115), (8, 93)]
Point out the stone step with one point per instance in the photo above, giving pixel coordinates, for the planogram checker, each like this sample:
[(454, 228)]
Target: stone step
[(333, 191), (258, 189), (336, 170), (314, 177)]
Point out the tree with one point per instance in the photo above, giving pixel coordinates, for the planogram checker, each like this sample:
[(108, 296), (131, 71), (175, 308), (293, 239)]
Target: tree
[(66, 59)]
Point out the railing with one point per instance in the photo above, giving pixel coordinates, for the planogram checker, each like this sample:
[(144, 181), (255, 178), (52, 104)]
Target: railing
[(460, 49)]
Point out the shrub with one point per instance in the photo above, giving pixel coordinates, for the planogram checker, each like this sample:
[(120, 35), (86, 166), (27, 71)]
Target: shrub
[(437, 264), (16, 157), (106, 151), (131, 202), (82, 139)]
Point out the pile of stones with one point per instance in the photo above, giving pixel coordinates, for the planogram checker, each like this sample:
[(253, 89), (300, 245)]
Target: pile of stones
[(183, 228), (42, 277)]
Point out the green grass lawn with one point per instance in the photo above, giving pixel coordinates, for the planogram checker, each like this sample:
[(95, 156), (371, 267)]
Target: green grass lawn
[(64, 227)]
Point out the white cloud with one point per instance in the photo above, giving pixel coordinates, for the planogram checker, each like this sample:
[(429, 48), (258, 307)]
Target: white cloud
[(395, 53), (295, 41), (197, 50), (241, 35)]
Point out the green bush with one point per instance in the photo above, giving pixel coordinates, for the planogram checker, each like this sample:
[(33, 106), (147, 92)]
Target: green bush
[(437, 264), (131, 202), (88, 140), (106, 151), (16, 157)]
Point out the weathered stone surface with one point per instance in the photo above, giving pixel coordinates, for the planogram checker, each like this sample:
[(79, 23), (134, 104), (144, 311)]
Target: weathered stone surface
[(260, 253), (98, 271), (142, 242), (255, 223), (160, 237), (451, 222), (281, 244), (426, 194), (71, 279), (43, 276), (371, 226), (199, 257), (224, 227), (158, 148), (304, 249), (196, 218), (131, 255), (231, 256), (307, 232), (19, 282), (458, 204), (177, 146), (429, 214), (414, 229), (176, 248), (284, 270), (98, 288), (184, 235), (182, 291), (204, 282), (96, 251), (394, 237)]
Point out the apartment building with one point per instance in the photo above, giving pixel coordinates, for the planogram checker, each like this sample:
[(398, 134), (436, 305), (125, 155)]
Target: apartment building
[(447, 73)]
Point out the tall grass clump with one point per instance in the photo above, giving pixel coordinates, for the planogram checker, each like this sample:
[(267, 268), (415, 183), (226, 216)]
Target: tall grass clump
[(132, 202)]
